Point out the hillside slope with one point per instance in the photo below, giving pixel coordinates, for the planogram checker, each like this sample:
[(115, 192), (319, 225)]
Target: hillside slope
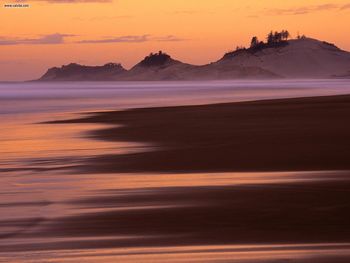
[(76, 72), (299, 58)]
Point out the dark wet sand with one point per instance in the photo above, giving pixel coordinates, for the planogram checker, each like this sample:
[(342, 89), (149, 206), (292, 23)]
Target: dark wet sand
[(277, 135), (276, 213), (293, 213)]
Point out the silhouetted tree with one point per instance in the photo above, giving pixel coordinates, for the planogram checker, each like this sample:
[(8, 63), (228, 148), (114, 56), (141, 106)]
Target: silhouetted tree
[(285, 34), (254, 42), (154, 59), (277, 37), (270, 38)]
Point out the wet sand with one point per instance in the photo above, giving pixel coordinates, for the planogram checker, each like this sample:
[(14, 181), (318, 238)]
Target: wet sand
[(182, 199), (277, 135), (293, 217)]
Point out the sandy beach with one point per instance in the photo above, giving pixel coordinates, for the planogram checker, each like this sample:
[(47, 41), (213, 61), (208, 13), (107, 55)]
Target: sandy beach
[(273, 135), (303, 134), (261, 181)]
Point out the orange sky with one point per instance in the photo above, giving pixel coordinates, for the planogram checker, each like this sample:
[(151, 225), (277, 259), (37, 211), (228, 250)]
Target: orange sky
[(51, 33)]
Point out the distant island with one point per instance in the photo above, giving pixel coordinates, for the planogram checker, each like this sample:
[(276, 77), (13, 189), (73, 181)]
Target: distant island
[(278, 57)]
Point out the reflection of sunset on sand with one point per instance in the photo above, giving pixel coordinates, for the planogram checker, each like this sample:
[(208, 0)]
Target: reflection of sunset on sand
[(41, 140), (302, 253)]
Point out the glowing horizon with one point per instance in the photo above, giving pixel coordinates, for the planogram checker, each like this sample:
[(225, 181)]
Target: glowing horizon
[(94, 32)]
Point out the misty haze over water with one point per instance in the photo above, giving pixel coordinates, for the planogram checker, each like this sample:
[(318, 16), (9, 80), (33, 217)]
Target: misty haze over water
[(33, 97)]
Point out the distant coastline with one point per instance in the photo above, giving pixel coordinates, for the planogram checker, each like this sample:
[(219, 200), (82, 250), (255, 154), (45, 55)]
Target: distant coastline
[(278, 58)]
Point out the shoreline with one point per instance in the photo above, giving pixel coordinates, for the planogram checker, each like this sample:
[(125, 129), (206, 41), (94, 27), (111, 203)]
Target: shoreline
[(171, 206), (298, 134)]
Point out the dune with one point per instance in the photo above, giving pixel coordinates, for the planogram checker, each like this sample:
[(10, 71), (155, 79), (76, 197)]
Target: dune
[(297, 58), (158, 66), (161, 66), (76, 72)]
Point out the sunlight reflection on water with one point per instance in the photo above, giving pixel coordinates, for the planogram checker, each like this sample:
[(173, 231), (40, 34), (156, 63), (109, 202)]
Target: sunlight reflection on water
[(299, 253)]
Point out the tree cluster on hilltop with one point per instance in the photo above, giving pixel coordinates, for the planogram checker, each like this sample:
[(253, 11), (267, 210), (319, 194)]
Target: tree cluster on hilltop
[(272, 38), (155, 59)]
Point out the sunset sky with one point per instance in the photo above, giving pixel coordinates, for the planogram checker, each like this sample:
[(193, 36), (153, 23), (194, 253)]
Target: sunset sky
[(92, 32)]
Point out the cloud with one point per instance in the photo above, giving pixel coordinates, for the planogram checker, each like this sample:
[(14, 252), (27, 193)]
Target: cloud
[(132, 39), (43, 40), (60, 39), (344, 7), (168, 38), (307, 9), (121, 39)]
